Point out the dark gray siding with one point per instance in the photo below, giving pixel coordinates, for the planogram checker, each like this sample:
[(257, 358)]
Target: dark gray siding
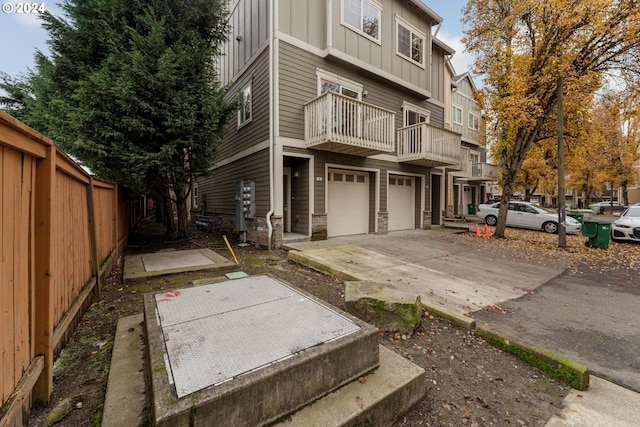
[(299, 207), (298, 85), (218, 189), (257, 130)]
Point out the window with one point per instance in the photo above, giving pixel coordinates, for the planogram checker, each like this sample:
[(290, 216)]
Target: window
[(363, 16), (244, 114), (457, 115), (195, 195), (474, 121), (330, 82), (413, 114), (410, 43)]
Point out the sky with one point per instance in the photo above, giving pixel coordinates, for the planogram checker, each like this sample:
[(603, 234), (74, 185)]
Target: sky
[(21, 33)]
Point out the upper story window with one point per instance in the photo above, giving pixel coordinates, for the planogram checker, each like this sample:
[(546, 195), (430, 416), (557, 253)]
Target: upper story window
[(457, 115), (410, 42), (244, 114), (363, 16), (474, 121)]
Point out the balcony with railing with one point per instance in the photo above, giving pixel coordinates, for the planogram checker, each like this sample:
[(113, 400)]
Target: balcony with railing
[(484, 172), (338, 123), (427, 145)]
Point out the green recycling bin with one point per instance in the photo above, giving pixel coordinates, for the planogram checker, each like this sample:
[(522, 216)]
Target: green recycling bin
[(578, 216), (472, 208), (598, 234)]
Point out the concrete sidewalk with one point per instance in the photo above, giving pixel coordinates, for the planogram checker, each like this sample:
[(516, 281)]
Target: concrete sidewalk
[(462, 279)]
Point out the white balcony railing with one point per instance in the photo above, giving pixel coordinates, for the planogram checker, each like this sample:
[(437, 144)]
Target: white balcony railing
[(484, 171), (425, 144), (339, 123)]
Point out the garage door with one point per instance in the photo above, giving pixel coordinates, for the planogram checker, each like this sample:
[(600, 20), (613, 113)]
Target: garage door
[(348, 203), (401, 202)]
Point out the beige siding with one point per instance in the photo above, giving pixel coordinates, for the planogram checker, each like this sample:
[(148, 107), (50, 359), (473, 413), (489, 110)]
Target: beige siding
[(383, 55), (463, 98), (306, 20), (438, 74)]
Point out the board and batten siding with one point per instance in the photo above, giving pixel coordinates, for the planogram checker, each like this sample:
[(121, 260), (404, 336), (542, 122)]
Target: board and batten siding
[(463, 98), (249, 31), (298, 85), (383, 55), (219, 188), (257, 130), (305, 20), (438, 65)]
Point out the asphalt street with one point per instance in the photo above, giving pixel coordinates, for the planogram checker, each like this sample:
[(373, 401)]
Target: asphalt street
[(587, 317)]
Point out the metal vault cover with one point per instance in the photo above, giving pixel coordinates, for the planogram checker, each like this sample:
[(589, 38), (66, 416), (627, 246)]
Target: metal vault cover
[(217, 332)]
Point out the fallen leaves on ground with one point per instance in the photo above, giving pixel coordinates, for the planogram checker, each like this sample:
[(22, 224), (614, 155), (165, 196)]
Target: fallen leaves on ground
[(532, 245)]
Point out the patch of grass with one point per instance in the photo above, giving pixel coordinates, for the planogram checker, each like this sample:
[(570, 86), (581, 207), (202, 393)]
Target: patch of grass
[(253, 261), (97, 418), (555, 366)]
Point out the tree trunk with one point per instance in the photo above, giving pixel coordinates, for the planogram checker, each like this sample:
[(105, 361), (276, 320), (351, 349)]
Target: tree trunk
[(182, 194), (168, 211), (507, 192)]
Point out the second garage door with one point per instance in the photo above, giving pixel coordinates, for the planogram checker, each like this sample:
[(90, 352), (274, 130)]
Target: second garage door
[(348, 203), (401, 202)]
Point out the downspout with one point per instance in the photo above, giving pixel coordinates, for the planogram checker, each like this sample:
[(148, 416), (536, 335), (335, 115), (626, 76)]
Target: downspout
[(271, 128)]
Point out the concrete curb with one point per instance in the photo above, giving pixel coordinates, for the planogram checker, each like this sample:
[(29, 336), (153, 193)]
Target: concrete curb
[(303, 259), (451, 316), (576, 375)]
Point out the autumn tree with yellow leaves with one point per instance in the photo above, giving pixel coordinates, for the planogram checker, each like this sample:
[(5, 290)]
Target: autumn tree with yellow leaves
[(523, 47)]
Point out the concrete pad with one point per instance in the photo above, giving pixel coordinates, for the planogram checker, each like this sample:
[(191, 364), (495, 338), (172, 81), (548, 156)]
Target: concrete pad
[(434, 287), (126, 392), (161, 263), (376, 400), (604, 404), (248, 351)]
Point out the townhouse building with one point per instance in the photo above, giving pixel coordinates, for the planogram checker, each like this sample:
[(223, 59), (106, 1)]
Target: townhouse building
[(343, 127)]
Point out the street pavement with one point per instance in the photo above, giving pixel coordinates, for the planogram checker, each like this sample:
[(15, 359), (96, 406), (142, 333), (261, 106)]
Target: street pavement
[(588, 318)]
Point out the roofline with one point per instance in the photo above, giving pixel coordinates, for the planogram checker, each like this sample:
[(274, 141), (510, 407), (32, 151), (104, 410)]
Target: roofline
[(442, 45), (435, 18)]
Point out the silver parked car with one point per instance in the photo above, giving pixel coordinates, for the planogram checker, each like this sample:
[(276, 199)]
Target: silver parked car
[(627, 227), (527, 215)]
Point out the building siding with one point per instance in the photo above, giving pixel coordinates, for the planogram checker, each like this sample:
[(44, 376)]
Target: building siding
[(248, 20), (218, 190), (257, 130), (298, 85)]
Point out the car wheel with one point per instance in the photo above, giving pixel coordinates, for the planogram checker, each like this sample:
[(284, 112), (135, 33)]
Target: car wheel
[(491, 220), (550, 227)]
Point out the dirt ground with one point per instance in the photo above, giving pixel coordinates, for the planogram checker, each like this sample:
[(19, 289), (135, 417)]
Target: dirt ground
[(468, 381)]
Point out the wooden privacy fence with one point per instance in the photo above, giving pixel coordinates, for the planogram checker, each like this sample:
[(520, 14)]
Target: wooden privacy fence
[(61, 231)]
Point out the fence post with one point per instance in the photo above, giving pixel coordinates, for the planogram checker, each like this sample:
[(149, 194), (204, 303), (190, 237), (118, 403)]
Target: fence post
[(95, 262), (44, 262)]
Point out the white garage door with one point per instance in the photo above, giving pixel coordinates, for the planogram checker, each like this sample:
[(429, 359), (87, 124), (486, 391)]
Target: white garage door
[(401, 202), (348, 203)]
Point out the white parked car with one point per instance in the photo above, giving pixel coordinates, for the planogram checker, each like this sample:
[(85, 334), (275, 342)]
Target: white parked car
[(602, 207), (527, 215), (627, 227)]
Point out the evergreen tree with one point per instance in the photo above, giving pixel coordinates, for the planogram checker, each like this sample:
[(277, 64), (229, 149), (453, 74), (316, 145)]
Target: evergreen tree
[(131, 91)]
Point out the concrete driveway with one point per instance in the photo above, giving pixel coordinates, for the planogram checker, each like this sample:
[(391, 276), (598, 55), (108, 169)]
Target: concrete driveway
[(442, 270), (587, 317)]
